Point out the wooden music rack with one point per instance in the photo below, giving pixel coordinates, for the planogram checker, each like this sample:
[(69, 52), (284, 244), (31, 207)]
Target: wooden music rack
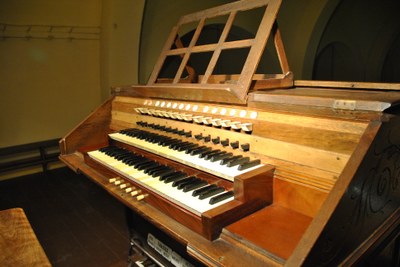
[(189, 85)]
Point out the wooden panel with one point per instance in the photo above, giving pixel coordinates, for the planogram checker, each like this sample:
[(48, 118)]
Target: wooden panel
[(222, 93), (335, 141), (341, 84), (322, 122), (310, 177), (337, 99), (18, 243), (274, 230), (297, 197), (92, 130)]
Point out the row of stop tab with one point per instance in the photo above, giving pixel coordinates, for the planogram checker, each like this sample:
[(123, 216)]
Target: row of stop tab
[(206, 120)]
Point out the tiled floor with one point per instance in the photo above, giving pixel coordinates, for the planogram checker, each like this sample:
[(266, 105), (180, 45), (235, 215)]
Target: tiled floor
[(77, 222)]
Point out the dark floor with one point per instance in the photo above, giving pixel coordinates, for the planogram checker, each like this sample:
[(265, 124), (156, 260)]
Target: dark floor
[(77, 223)]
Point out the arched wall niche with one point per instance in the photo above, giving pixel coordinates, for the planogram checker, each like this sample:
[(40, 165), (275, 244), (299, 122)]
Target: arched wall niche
[(369, 29), (314, 40), (337, 62), (391, 67)]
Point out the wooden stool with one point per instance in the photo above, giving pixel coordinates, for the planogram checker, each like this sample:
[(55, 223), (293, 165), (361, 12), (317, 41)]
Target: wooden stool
[(18, 243)]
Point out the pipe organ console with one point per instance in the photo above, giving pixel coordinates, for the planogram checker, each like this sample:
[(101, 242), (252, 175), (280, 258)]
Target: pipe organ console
[(247, 169)]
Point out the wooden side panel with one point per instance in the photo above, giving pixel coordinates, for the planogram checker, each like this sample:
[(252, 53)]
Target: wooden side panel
[(93, 130), (365, 196)]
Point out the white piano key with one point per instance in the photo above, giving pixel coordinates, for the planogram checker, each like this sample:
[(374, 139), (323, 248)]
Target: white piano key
[(177, 196), (214, 168)]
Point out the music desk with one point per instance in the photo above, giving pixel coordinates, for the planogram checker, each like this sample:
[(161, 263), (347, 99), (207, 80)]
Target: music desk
[(18, 243)]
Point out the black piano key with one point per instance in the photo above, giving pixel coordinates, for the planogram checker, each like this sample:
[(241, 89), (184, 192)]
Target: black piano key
[(211, 192), (169, 142), (185, 146), (226, 160), (178, 145), (172, 144), (160, 168), (202, 190), (190, 149), (152, 168), (135, 158), (208, 152), (183, 181), (146, 165), (131, 162), (174, 177), (153, 139), (114, 152), (141, 161), (131, 158), (238, 161), (200, 150), (195, 185), (249, 164), (122, 155), (171, 174), (140, 136), (188, 146), (162, 172), (106, 148), (221, 197), (162, 141), (212, 153), (221, 156), (217, 153), (188, 182)]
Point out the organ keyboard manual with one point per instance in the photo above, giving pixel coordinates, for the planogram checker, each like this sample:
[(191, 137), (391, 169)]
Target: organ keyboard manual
[(246, 168)]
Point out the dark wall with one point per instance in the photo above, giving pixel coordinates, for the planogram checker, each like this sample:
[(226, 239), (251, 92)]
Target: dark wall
[(361, 42)]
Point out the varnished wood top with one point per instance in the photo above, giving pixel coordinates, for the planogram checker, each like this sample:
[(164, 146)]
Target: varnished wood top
[(335, 98), (18, 243), (274, 229)]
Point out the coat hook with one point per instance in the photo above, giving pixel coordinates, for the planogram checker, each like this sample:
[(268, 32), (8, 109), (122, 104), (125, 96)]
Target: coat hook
[(3, 37), (71, 38), (50, 36)]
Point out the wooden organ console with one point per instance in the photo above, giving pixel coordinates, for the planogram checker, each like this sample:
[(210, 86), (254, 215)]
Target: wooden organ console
[(248, 169)]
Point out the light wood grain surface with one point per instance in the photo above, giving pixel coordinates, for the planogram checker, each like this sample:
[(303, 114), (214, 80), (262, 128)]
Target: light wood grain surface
[(18, 243)]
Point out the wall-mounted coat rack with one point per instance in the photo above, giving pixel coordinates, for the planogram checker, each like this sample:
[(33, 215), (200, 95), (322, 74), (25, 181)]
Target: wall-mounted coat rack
[(49, 32)]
